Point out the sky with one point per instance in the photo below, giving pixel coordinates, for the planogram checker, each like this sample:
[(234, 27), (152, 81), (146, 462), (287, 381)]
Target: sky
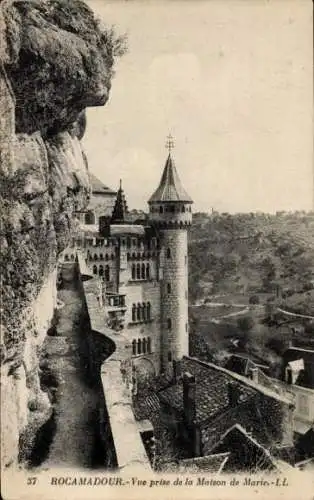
[(231, 81)]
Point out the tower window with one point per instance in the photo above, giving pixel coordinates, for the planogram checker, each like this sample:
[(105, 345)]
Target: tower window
[(183, 208), (161, 209), (94, 269), (169, 324), (138, 271), (106, 257), (172, 208), (101, 257), (168, 253), (186, 327), (101, 270), (133, 271), (168, 288), (95, 256), (169, 356), (144, 311)]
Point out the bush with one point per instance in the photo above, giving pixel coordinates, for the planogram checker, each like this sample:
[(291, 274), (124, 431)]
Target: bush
[(254, 299)]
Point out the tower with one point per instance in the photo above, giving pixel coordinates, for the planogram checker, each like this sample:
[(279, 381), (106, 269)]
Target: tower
[(170, 211)]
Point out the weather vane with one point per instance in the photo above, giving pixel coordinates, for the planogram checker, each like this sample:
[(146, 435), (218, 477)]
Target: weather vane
[(169, 143)]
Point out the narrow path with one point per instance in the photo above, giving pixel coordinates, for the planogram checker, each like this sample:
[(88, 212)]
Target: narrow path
[(295, 315), (74, 442)]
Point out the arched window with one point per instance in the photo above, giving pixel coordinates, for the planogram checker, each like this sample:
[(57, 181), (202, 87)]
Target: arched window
[(94, 269), (168, 253), (66, 257), (143, 272), (107, 273), (133, 271), (95, 256), (183, 208), (106, 257), (161, 209), (133, 255), (138, 271), (144, 345), (148, 310), (72, 256), (149, 346), (172, 208), (168, 288), (101, 257), (144, 311), (138, 312), (101, 270), (147, 271), (133, 312), (169, 356), (112, 256), (139, 346), (169, 323), (128, 242), (133, 347), (128, 256)]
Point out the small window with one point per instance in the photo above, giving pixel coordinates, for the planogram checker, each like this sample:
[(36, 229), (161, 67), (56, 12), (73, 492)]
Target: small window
[(186, 327), (168, 288), (101, 257), (133, 271), (147, 272), (168, 253), (94, 269), (139, 346), (149, 345), (107, 273), (169, 324), (138, 271), (101, 271), (133, 312), (172, 209), (144, 345), (95, 256), (133, 347), (144, 311), (148, 311), (169, 356), (161, 209), (143, 271), (138, 312), (183, 208)]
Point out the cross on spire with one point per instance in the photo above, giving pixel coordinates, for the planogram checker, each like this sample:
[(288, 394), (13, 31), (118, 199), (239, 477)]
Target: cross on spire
[(169, 143)]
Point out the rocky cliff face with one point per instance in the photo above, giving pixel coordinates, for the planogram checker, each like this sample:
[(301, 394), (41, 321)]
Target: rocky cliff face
[(55, 60)]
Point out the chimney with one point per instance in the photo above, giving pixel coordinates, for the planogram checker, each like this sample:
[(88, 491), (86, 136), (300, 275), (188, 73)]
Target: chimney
[(189, 396), (254, 374), (233, 394), (176, 370)]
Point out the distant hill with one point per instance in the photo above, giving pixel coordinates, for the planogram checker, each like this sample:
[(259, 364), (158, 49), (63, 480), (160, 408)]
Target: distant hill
[(253, 253)]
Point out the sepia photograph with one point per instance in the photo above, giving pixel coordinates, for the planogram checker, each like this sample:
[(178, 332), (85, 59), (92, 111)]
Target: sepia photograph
[(157, 249)]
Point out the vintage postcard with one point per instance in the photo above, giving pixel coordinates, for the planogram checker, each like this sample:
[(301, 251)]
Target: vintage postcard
[(157, 249)]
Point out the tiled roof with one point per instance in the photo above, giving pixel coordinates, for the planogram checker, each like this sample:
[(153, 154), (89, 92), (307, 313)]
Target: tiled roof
[(170, 187), (98, 187), (212, 392), (212, 464)]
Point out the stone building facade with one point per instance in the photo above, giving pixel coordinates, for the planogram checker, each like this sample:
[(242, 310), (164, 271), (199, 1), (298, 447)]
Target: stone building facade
[(142, 266)]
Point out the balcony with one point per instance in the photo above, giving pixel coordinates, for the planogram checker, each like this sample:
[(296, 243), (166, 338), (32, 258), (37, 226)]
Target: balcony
[(115, 303)]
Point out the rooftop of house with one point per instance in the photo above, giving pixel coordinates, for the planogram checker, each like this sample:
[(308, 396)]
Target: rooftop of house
[(98, 187), (212, 389), (212, 464)]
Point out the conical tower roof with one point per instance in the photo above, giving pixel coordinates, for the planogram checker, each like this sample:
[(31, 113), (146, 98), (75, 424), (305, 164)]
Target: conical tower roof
[(170, 187), (120, 209)]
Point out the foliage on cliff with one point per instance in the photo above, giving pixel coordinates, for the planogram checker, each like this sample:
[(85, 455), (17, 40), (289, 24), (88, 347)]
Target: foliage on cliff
[(249, 253)]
